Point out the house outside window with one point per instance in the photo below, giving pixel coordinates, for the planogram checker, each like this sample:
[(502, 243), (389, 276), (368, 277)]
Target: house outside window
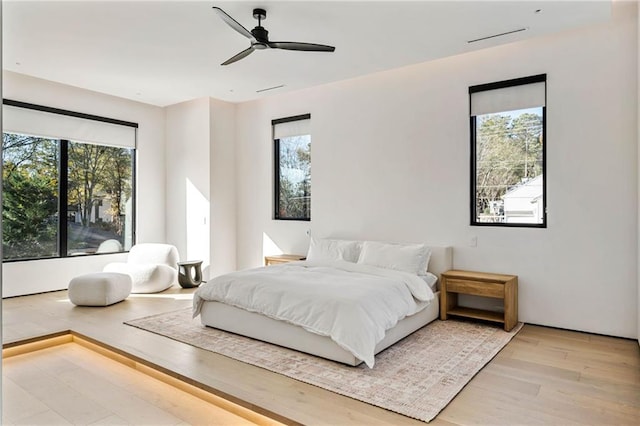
[(508, 153), (64, 197), (292, 168)]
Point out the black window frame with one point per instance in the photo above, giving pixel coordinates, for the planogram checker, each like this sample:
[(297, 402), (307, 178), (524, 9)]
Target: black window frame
[(63, 169), (539, 78), (276, 169)]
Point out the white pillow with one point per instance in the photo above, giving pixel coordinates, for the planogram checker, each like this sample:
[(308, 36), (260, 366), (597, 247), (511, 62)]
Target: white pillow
[(412, 258), (325, 250)]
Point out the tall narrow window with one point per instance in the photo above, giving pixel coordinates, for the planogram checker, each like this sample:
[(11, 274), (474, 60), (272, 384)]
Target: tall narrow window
[(69, 190), (508, 120), (292, 168)]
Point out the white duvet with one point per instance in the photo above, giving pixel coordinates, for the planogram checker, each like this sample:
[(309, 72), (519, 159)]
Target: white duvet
[(351, 303)]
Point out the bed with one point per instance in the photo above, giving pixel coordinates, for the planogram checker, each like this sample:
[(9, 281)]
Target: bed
[(331, 257)]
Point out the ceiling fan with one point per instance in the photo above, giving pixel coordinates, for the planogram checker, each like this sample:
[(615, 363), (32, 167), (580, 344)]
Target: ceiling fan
[(259, 37)]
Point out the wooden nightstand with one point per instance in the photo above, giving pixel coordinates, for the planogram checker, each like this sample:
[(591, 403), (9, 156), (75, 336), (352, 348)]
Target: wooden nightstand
[(497, 286), (277, 259)]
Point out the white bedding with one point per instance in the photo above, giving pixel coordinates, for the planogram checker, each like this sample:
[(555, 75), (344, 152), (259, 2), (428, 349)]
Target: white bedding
[(330, 299)]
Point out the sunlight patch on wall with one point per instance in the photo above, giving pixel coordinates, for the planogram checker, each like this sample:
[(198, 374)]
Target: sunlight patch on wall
[(269, 247)]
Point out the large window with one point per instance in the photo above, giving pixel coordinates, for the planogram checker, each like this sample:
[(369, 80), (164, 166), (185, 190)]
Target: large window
[(292, 168), (62, 196), (508, 152)]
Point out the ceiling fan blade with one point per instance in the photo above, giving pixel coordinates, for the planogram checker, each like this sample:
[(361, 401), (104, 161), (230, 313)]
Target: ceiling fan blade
[(239, 56), (234, 24), (307, 47)]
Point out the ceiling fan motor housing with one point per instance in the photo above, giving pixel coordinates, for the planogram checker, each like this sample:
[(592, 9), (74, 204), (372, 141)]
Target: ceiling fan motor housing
[(260, 34)]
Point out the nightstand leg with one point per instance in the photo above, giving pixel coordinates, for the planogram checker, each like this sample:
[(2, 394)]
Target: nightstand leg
[(448, 301), (510, 305), (443, 304)]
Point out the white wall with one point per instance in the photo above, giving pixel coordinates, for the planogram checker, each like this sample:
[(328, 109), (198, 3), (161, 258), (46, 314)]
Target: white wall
[(187, 129), (45, 275), (638, 141), (223, 187), (200, 183), (391, 162)]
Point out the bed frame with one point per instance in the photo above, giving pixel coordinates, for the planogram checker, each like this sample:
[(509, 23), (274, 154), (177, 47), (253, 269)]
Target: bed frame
[(256, 326)]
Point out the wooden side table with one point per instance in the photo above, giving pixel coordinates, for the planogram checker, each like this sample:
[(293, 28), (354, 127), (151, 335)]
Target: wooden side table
[(498, 286), (277, 259)]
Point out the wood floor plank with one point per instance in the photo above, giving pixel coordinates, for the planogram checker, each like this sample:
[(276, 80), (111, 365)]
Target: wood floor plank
[(567, 410), (17, 403), (547, 334), (47, 418), (479, 406), (540, 369), (489, 380), (112, 420), (602, 408), (617, 374), (604, 359)]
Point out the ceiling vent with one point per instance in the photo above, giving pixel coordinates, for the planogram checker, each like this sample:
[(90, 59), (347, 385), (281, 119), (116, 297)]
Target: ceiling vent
[(497, 35), (269, 88)]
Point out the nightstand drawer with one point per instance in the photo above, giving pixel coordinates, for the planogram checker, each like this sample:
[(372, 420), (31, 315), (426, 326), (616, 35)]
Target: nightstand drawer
[(477, 288)]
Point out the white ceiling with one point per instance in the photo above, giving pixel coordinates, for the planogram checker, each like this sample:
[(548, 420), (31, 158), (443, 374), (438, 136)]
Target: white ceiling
[(165, 52)]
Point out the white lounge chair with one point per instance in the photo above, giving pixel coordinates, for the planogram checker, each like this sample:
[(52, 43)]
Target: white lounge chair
[(152, 267)]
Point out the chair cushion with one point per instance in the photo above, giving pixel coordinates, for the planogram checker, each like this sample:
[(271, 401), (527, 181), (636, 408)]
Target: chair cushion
[(146, 277), (99, 289)]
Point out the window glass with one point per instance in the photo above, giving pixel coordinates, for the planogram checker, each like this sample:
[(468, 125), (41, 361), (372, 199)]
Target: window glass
[(99, 198), (294, 177), (29, 196), (509, 180)]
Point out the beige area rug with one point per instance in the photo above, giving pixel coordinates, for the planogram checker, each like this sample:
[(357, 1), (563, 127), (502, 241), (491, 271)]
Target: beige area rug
[(416, 377)]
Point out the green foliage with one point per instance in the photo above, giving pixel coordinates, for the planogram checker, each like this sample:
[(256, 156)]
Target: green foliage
[(30, 196), (30, 207)]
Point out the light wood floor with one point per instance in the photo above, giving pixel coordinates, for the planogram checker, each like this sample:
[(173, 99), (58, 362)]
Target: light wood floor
[(69, 384), (543, 376)]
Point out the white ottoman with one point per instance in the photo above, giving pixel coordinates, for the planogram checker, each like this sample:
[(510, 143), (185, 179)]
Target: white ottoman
[(99, 289)]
